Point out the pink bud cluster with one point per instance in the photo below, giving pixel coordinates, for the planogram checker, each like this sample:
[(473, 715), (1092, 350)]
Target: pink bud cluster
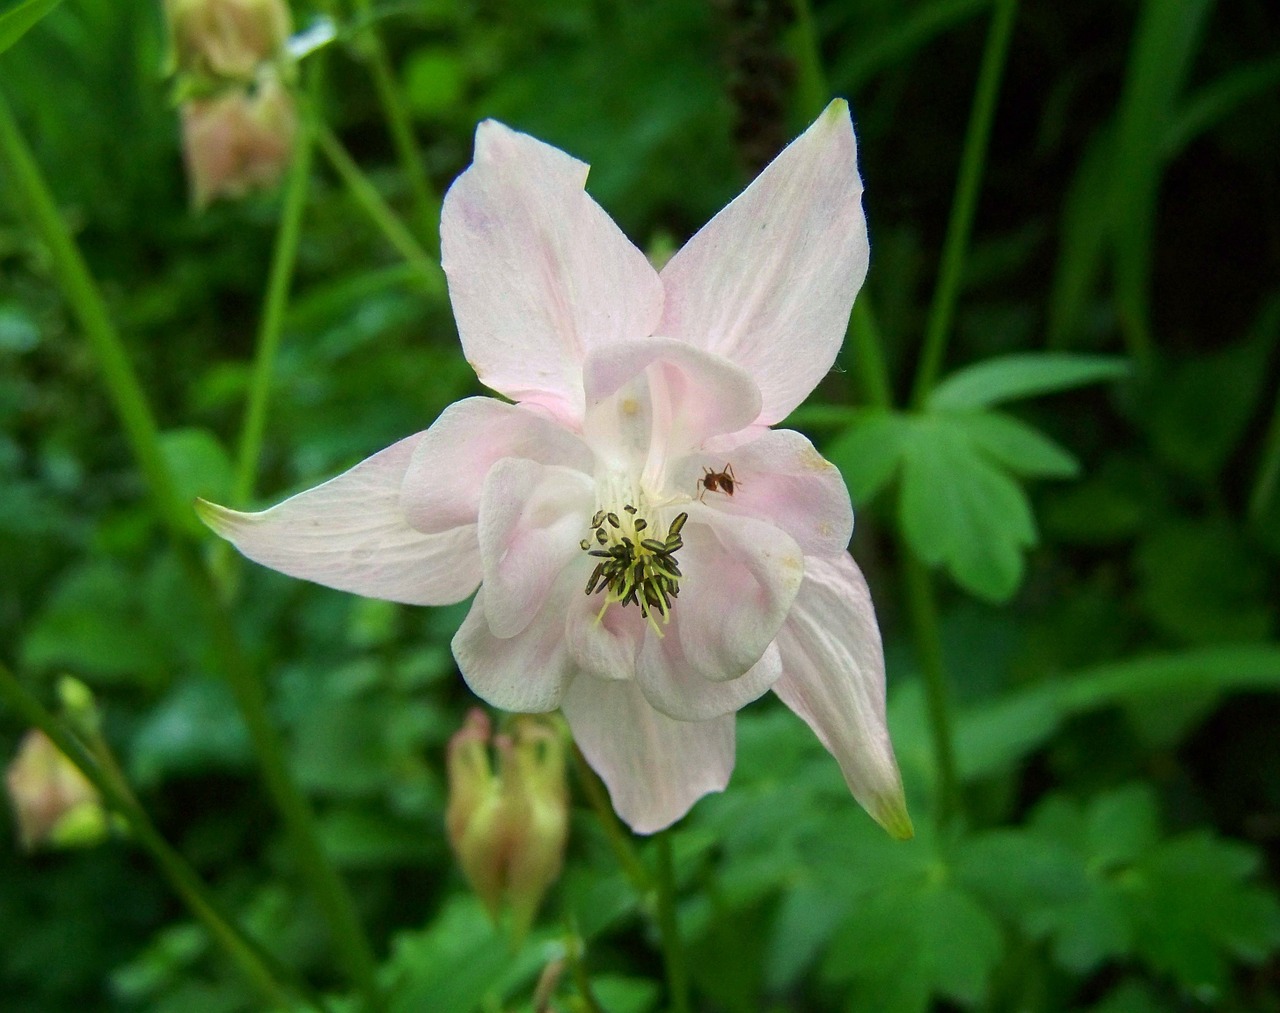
[(508, 826), (239, 120)]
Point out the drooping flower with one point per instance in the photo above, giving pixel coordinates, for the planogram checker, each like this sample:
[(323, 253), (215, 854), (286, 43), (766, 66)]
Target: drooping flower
[(53, 803), (239, 140), (508, 827), (619, 577), (226, 39)]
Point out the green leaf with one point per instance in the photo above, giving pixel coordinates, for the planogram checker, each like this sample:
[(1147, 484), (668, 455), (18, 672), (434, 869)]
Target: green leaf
[(913, 940), (15, 23), (1194, 908), (961, 511), (1009, 377), (869, 451), (199, 466), (1021, 448)]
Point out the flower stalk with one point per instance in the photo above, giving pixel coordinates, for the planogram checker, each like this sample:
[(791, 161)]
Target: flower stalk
[(142, 432), (258, 967), (284, 258), (668, 927), (965, 202)]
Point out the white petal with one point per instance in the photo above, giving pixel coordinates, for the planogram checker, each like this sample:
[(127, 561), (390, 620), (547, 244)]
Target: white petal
[(833, 677), (781, 478), (740, 578), (447, 471), (538, 274), (526, 673), (532, 519), (654, 767), (654, 399), (669, 684), (604, 644), (770, 280), (351, 534)]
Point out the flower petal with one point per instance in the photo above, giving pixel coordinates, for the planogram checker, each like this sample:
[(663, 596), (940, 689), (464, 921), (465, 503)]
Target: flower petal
[(658, 397), (654, 767), (833, 677), (770, 280), (351, 534), (526, 673), (667, 682), (740, 578), (447, 471), (532, 518), (538, 274), (604, 644), (781, 478)]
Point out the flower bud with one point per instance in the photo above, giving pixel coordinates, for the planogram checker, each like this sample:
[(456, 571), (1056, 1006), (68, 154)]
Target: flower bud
[(509, 828), (239, 140), (226, 39), (54, 803)]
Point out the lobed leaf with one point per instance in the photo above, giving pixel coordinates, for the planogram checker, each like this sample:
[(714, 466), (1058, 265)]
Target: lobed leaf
[(1009, 377)]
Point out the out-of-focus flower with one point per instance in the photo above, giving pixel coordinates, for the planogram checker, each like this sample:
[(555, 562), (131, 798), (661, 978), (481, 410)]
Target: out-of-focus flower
[(226, 39), (239, 140), (508, 828), (54, 803), (650, 555)]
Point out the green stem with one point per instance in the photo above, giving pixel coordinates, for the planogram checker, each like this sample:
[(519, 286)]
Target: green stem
[(928, 640), (334, 898), (425, 204), (284, 259), (811, 81), (1265, 485), (581, 980), (673, 953), (380, 213), (123, 388), (262, 971), (618, 837), (965, 201), (131, 405), (873, 373)]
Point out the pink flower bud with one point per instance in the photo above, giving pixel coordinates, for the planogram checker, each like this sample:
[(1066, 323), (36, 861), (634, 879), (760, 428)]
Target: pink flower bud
[(226, 38), (238, 141), (54, 803), (508, 828)]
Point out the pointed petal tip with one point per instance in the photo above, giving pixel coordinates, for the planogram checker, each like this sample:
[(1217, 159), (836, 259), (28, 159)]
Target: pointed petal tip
[(219, 519), (891, 813)]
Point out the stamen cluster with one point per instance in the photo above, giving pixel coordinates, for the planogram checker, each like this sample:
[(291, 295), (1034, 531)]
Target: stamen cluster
[(635, 570)]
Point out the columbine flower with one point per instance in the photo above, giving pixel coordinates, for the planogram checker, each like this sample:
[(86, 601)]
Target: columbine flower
[(226, 39), (241, 139), (620, 578), (54, 804)]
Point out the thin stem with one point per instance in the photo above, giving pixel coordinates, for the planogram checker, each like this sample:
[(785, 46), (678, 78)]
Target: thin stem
[(335, 899), (426, 205), (811, 79), (673, 953), (284, 258), (123, 388), (581, 980), (1267, 483), (131, 405), (873, 373), (965, 202), (262, 971), (928, 640), (619, 839), (379, 212)]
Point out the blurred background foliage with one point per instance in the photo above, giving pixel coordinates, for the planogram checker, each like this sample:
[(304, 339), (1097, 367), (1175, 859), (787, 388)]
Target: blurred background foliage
[(1104, 553)]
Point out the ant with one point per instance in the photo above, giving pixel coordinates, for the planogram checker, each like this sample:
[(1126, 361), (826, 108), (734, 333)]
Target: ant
[(717, 481)]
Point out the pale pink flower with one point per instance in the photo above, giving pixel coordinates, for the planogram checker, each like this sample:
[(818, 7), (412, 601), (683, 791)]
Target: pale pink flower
[(240, 140), (629, 386)]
